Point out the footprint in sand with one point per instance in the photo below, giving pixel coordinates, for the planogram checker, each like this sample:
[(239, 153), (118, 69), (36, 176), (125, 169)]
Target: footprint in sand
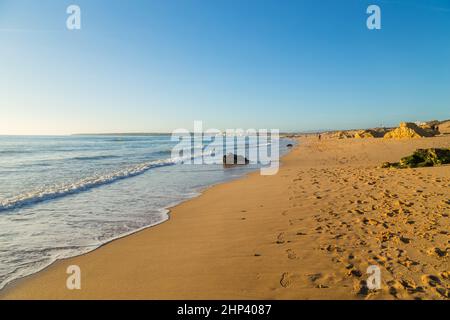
[(286, 280), (434, 282), (354, 273), (314, 277), (291, 254), (431, 280), (280, 238), (411, 287), (362, 290), (438, 252), (444, 292), (394, 287)]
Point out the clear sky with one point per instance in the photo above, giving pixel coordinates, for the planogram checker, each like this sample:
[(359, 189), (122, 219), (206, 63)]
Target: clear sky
[(159, 65)]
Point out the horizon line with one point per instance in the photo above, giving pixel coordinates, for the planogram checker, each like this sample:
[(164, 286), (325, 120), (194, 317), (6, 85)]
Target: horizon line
[(143, 133)]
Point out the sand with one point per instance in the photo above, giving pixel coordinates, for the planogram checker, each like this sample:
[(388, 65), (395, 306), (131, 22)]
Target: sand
[(309, 232)]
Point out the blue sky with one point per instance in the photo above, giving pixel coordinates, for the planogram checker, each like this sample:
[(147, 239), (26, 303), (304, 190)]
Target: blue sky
[(159, 65)]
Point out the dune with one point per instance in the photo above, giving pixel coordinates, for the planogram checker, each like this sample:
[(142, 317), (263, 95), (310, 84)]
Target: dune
[(408, 130)]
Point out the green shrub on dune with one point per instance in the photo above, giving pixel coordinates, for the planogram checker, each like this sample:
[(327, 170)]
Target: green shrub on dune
[(422, 158)]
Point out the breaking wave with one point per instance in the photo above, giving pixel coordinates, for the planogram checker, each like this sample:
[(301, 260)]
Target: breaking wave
[(57, 191)]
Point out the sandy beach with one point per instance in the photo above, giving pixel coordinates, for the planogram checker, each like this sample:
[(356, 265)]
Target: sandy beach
[(309, 232)]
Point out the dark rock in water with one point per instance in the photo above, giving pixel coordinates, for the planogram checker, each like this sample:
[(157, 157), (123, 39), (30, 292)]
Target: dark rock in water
[(289, 145), (422, 158), (234, 159)]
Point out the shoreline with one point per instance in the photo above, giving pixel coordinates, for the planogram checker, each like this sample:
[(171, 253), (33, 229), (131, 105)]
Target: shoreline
[(267, 245), (167, 211)]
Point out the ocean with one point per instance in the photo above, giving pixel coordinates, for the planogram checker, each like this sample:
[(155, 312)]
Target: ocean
[(67, 195)]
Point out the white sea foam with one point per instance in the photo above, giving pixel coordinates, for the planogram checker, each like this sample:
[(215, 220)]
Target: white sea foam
[(56, 191), (52, 192)]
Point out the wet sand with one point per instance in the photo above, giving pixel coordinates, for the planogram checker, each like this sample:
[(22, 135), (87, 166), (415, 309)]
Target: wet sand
[(309, 232)]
